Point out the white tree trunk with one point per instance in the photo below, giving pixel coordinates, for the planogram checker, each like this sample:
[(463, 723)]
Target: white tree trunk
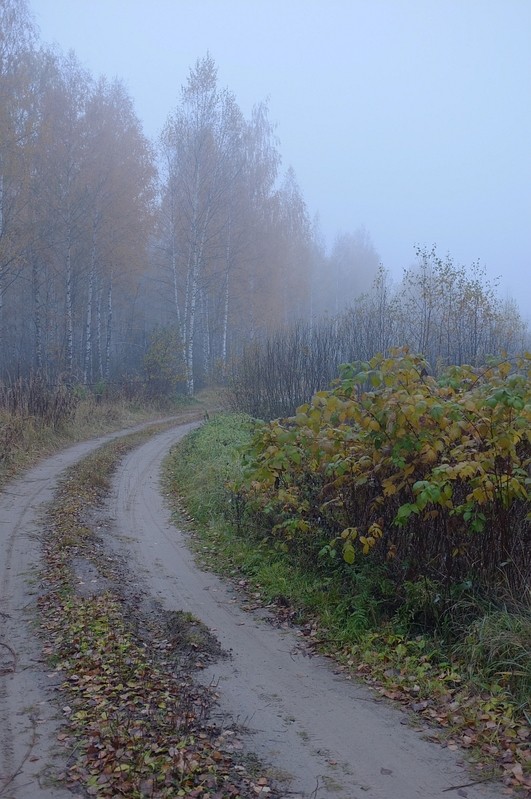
[(190, 327), (225, 326), (87, 368), (37, 314), (98, 331), (224, 334), (207, 354), (69, 314), (109, 331)]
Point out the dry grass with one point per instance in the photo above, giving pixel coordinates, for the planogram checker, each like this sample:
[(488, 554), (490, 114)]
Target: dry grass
[(26, 437)]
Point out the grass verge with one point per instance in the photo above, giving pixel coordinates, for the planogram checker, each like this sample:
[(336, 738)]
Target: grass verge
[(474, 695)]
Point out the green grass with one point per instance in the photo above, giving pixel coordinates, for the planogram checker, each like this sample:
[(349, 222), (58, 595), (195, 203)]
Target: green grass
[(498, 646)]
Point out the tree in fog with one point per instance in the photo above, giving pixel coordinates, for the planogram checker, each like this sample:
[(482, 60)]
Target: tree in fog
[(274, 269), (77, 180), (294, 265), (249, 283), (201, 141), (60, 197), (16, 45), (451, 313), (85, 238), (234, 243), (370, 324), (119, 179), (349, 271)]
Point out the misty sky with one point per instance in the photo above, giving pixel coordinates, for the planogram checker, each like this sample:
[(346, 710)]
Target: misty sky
[(409, 117)]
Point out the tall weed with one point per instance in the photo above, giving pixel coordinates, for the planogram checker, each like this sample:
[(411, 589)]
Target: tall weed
[(498, 645)]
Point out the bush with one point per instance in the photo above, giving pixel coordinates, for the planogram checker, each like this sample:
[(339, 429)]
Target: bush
[(428, 476)]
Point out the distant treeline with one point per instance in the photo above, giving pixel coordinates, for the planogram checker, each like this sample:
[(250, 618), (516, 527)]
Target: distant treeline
[(120, 256), (449, 313)]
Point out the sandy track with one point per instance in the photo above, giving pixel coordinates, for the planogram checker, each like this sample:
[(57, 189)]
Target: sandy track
[(27, 717), (325, 735)]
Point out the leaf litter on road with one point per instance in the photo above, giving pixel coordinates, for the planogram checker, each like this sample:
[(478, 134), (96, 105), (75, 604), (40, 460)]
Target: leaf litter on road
[(135, 722)]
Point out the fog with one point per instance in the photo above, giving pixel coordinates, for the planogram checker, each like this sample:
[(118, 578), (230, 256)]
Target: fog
[(409, 120)]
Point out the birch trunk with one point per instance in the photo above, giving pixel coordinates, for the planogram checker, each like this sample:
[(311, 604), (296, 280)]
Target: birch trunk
[(224, 334), (87, 368), (207, 354), (190, 327), (69, 314), (98, 332), (195, 261), (225, 327), (109, 331), (174, 265), (37, 314)]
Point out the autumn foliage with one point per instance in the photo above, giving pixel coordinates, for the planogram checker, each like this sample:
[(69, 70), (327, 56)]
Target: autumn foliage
[(427, 475)]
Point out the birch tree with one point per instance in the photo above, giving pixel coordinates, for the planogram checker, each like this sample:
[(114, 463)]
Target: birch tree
[(248, 255), (59, 193), (202, 144), (452, 314), (17, 39), (118, 174)]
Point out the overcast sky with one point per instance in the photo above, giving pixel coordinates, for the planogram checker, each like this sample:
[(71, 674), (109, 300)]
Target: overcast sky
[(409, 117)]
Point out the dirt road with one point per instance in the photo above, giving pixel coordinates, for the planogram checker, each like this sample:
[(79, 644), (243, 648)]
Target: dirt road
[(323, 735), (27, 718)]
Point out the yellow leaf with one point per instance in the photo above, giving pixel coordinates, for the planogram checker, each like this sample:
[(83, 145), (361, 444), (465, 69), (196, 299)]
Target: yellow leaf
[(388, 488), (366, 544), (350, 533), (375, 530)]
